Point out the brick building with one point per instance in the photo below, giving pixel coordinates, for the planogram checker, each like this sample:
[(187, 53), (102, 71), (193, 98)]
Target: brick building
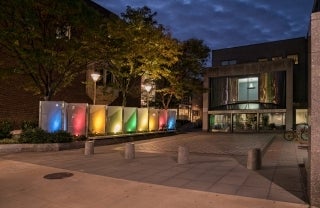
[(17, 104)]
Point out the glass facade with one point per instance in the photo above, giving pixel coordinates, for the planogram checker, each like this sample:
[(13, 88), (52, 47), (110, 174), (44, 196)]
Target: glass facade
[(244, 122), (301, 116), (263, 91), (250, 103), (247, 122), (272, 121), (220, 122)]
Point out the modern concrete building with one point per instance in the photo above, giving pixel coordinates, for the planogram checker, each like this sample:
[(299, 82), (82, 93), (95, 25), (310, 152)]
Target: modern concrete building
[(261, 87)]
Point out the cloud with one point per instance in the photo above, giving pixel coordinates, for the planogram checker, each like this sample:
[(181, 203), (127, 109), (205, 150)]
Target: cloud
[(227, 23)]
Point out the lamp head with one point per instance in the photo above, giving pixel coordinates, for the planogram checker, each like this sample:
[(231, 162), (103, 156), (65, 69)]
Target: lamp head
[(148, 87), (95, 76)]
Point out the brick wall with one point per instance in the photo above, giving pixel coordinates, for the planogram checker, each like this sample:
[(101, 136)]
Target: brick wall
[(18, 105)]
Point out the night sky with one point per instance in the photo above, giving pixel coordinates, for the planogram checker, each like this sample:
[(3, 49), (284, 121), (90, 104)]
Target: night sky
[(226, 23)]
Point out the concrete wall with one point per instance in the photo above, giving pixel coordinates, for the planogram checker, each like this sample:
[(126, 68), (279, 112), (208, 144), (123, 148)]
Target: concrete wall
[(314, 111)]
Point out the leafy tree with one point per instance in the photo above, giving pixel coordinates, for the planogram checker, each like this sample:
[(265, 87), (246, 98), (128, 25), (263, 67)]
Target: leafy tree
[(47, 40), (185, 76), (136, 45)]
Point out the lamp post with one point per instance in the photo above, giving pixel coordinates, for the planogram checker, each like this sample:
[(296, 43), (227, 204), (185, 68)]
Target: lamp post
[(148, 89), (95, 77)]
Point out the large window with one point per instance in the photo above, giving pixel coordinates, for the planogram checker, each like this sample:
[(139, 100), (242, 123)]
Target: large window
[(263, 91), (220, 122), (248, 89), (294, 57), (301, 116), (272, 121), (228, 62)]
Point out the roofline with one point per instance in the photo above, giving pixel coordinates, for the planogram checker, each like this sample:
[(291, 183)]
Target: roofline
[(303, 37)]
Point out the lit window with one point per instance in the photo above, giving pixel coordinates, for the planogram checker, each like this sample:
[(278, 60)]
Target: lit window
[(248, 89), (228, 62), (294, 57), (262, 59), (276, 58)]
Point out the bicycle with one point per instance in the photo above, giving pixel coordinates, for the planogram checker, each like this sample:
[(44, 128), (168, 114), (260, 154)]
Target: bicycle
[(300, 134)]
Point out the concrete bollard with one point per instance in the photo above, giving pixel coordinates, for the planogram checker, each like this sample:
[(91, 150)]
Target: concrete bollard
[(89, 148), (183, 155), (129, 152), (254, 159)]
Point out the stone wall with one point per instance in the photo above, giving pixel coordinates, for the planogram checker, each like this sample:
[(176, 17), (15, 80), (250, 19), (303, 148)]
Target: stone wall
[(314, 111)]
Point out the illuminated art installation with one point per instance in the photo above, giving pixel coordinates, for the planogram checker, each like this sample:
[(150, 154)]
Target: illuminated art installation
[(97, 119), (163, 117), (129, 119), (52, 116), (172, 118), (153, 120), (114, 119), (83, 119), (77, 118), (142, 119)]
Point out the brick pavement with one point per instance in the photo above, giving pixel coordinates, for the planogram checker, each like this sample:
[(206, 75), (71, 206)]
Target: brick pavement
[(217, 164), (208, 143)]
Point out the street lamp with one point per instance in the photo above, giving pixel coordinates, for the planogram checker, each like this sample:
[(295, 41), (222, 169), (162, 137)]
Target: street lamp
[(148, 89), (95, 77)]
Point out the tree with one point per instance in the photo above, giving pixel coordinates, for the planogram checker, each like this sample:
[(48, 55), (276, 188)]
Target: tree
[(48, 41), (185, 76), (137, 46)]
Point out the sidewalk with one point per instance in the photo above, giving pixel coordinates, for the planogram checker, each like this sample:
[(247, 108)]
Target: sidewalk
[(216, 175)]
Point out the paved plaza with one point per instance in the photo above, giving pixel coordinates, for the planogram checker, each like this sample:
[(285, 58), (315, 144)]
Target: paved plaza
[(216, 175)]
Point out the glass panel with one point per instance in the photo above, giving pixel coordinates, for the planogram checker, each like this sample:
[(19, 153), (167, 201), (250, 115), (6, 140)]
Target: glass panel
[(220, 123), (97, 119), (130, 119), (294, 57), (272, 121), (153, 120), (77, 122), (163, 117), (301, 116), (248, 89), (272, 88), (172, 117), (114, 119), (52, 116), (244, 122), (142, 119)]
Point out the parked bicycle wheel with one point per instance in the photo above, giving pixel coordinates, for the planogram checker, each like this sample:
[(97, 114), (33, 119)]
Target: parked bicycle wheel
[(289, 135)]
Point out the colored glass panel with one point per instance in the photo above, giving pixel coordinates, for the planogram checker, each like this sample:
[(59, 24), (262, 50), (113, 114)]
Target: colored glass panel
[(153, 120), (142, 119), (77, 114), (114, 119), (97, 119), (172, 118), (52, 116), (163, 117), (130, 119)]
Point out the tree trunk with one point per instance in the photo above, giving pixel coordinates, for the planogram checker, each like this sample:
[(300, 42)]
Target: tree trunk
[(124, 99)]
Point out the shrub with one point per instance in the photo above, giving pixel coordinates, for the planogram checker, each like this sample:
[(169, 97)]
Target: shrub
[(29, 125), (35, 135), (61, 137), (5, 128), (79, 138), (38, 135)]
